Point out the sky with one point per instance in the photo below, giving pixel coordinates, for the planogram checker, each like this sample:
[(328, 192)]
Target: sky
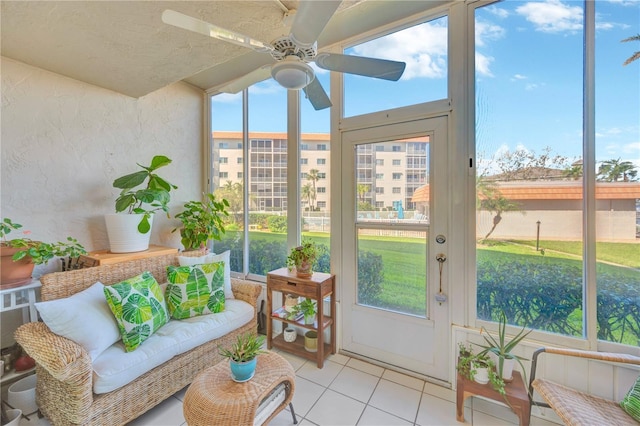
[(528, 79)]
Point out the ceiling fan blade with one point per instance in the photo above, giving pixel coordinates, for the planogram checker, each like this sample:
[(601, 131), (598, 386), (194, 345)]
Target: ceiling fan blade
[(316, 95), (360, 65), (310, 19), (247, 80), (190, 23)]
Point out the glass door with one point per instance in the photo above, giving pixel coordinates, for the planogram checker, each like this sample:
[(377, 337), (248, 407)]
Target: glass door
[(393, 207)]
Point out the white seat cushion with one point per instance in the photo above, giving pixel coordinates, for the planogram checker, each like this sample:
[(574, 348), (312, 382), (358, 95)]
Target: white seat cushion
[(115, 368)]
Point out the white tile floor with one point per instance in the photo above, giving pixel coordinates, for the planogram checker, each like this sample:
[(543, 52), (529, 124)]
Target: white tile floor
[(348, 391)]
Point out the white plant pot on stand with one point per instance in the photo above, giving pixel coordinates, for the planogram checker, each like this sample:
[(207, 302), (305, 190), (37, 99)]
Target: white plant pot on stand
[(507, 366), (124, 237)]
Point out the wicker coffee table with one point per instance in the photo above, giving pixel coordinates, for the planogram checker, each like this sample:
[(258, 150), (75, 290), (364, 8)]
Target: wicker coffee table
[(213, 398)]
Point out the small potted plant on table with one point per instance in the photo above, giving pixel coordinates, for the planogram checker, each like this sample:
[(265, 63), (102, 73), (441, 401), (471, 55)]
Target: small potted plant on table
[(479, 368), (308, 308), (20, 255), (243, 356), (302, 258)]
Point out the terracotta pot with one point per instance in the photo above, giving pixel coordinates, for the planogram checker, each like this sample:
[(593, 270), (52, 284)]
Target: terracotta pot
[(14, 274), (304, 270)]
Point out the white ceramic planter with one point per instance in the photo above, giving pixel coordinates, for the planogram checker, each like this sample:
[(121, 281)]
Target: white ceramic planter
[(482, 375), (507, 366), (290, 334), (14, 417), (124, 236), (22, 394)]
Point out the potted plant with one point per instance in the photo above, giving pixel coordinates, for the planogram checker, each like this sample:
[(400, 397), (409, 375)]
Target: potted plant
[(131, 232), (20, 255), (302, 258), (308, 308), (480, 368), (242, 356), (500, 350), (202, 221)]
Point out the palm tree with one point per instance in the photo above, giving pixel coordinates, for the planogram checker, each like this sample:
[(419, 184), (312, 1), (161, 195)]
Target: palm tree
[(616, 170), (489, 198), (232, 192), (636, 55), (313, 176), (308, 193), (362, 189)]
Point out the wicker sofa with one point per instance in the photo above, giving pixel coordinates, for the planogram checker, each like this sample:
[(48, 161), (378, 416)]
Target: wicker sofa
[(64, 390), (575, 407)]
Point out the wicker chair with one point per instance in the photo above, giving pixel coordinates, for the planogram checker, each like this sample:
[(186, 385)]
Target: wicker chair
[(64, 390), (575, 407)]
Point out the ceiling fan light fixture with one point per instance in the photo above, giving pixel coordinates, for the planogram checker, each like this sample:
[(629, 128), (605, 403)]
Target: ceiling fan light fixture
[(292, 73)]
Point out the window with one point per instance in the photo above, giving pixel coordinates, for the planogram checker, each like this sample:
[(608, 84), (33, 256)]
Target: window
[(322, 147), (540, 276), (223, 175), (322, 175), (304, 147), (379, 204), (379, 161), (321, 190), (239, 175), (396, 176), (379, 176), (379, 190), (239, 160), (430, 73), (396, 162), (396, 190), (224, 160), (322, 205), (380, 148), (321, 161), (304, 161), (396, 148)]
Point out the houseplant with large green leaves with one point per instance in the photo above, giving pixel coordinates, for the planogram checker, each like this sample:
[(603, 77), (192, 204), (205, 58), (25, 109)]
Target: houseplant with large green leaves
[(202, 221), (142, 193), (20, 255)]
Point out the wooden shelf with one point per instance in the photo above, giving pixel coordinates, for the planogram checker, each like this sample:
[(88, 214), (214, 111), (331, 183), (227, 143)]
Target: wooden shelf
[(105, 257), (318, 287)]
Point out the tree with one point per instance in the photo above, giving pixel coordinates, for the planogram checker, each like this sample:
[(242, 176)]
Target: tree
[(636, 55), (232, 192), (490, 198), (523, 164), (307, 193), (362, 189), (313, 176), (616, 170)]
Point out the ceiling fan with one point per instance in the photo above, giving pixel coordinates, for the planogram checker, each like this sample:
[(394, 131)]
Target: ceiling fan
[(291, 54)]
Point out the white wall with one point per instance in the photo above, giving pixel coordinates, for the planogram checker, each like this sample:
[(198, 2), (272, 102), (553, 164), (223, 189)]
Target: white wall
[(63, 143)]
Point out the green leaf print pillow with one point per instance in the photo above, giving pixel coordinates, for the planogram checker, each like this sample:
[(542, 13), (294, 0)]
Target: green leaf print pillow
[(139, 307), (195, 290)]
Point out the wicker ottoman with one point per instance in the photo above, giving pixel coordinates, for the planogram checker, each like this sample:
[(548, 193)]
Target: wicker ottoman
[(213, 398)]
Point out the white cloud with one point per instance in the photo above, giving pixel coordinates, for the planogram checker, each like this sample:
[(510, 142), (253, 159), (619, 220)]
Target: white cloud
[(518, 77), (266, 87), (486, 31), (482, 64), (226, 98), (552, 16), (632, 148), (423, 48), (497, 11)]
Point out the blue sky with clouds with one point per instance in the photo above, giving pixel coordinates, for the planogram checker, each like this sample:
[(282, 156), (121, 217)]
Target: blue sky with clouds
[(528, 74)]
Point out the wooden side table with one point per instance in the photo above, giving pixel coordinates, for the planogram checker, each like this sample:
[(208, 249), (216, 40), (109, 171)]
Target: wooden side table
[(318, 287), (105, 257), (516, 395), (213, 398)]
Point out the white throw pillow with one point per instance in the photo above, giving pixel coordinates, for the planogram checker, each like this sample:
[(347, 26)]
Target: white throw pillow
[(211, 258), (84, 318)]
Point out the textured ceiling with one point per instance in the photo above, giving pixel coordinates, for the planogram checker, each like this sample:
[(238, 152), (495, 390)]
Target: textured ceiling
[(124, 46)]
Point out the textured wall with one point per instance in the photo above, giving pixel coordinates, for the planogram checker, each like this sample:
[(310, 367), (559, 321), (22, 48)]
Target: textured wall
[(64, 142)]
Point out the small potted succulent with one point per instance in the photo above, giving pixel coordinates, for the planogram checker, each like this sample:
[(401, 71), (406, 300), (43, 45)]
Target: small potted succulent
[(242, 356), (131, 232), (20, 255), (202, 221), (302, 258)]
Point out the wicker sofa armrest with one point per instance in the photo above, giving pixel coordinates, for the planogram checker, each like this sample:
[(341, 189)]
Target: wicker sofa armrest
[(62, 358), (246, 291)]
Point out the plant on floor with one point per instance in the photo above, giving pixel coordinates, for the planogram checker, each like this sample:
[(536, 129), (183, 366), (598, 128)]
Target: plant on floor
[(202, 221), (155, 194)]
